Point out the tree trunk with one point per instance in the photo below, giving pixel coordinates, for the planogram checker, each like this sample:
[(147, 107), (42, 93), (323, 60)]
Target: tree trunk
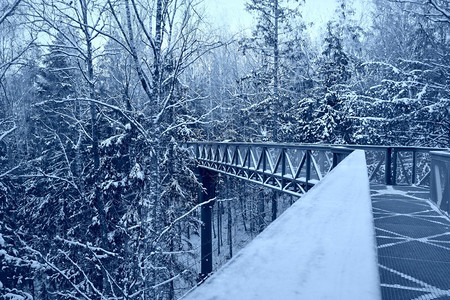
[(276, 99), (98, 198), (261, 211)]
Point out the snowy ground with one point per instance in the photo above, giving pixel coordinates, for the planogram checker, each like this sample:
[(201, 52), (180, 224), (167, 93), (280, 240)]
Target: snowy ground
[(323, 247)]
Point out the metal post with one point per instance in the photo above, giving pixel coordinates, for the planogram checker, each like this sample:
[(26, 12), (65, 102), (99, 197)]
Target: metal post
[(413, 180), (225, 153), (264, 153), (197, 151), (394, 167), (434, 180), (339, 154), (225, 158), (308, 168), (249, 157), (207, 179), (283, 167), (388, 175), (335, 160)]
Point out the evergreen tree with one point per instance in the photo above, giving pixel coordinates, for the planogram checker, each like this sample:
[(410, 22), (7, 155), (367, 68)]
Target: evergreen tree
[(404, 98), (325, 114), (272, 45)]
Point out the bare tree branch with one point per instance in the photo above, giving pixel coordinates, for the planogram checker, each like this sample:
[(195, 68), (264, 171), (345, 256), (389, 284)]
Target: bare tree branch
[(10, 11)]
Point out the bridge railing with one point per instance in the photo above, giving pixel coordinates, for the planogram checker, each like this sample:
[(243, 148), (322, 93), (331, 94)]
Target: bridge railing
[(295, 168), (398, 165), (289, 168)]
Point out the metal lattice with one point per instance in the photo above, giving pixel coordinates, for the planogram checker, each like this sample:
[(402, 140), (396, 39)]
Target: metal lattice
[(292, 169)]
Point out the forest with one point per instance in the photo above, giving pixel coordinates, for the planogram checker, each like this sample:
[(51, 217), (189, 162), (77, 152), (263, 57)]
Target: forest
[(98, 193)]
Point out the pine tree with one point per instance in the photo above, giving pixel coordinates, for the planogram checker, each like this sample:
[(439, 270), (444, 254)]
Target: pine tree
[(272, 45), (329, 121)]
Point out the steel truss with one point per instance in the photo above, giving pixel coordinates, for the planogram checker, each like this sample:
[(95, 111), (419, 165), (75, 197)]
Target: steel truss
[(294, 169), (291, 169)]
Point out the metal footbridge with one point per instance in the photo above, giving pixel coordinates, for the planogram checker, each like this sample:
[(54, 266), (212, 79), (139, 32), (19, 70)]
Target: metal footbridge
[(412, 232)]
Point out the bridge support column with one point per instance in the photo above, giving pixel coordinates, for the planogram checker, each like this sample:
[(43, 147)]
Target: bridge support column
[(208, 180), (275, 195)]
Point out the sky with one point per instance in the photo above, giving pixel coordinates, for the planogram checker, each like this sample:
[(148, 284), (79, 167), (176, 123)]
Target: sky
[(231, 14)]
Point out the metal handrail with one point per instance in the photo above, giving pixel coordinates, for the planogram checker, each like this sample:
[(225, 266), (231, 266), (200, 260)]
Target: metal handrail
[(292, 169), (391, 165), (321, 146)]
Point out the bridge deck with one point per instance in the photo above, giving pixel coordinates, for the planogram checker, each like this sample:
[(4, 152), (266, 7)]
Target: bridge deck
[(413, 244)]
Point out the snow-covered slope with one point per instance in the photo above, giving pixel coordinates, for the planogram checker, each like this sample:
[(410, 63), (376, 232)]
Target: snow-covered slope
[(323, 247)]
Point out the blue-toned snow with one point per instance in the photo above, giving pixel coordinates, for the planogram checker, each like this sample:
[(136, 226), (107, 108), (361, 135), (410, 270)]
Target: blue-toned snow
[(322, 247)]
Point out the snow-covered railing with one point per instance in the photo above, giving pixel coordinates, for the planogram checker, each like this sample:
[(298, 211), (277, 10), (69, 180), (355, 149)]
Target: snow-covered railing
[(440, 179), (289, 168), (322, 247)]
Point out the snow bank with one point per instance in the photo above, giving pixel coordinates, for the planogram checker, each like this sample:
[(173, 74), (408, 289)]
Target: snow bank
[(322, 247)]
